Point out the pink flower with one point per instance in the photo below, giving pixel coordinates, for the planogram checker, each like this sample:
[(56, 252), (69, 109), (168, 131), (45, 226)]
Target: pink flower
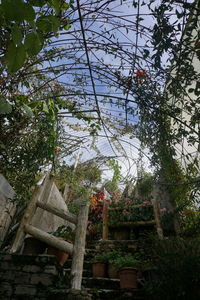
[(163, 210)]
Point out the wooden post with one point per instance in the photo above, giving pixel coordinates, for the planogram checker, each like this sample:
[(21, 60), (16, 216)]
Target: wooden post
[(62, 214), (79, 248), (157, 218), (37, 195), (105, 221), (49, 239)]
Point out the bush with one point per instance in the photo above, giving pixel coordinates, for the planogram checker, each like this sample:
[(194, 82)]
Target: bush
[(177, 270)]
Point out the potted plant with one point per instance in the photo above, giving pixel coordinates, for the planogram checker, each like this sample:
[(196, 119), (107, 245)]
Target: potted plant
[(99, 262), (67, 234), (128, 266), (111, 257)]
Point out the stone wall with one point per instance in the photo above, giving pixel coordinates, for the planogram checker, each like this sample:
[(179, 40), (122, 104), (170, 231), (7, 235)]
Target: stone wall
[(35, 277), (27, 276)]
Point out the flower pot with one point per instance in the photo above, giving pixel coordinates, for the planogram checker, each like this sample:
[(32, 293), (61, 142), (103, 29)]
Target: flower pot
[(60, 255), (33, 246), (120, 234), (128, 278), (112, 272), (99, 269)]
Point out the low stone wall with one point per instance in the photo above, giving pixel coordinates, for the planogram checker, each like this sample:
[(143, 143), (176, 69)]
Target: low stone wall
[(31, 277), (27, 276)]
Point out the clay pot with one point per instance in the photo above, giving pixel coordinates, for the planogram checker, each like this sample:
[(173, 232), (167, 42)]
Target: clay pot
[(60, 255), (120, 234), (33, 246), (128, 278), (112, 272), (99, 269)]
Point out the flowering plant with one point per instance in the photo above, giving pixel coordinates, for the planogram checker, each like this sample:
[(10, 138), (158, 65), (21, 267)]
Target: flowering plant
[(130, 210)]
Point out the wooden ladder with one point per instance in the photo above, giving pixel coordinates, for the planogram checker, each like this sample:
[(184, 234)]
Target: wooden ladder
[(156, 221), (77, 250)]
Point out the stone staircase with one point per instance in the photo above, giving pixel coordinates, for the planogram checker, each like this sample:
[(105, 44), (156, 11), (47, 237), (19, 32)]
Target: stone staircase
[(105, 288)]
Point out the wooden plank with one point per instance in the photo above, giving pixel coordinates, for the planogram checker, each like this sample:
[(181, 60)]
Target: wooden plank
[(62, 214), (157, 219), (7, 207), (105, 221), (49, 239), (37, 195), (79, 248), (134, 224), (127, 207)]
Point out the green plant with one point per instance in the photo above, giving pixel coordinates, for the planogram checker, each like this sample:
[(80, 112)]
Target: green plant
[(65, 232), (177, 270), (100, 257), (112, 255), (127, 260), (126, 212)]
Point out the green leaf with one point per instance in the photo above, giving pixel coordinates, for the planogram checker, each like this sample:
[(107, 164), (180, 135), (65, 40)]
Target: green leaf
[(56, 4), (5, 107), (16, 35), (38, 3), (33, 43), (17, 10), (15, 57), (67, 27), (48, 24), (45, 108), (27, 110)]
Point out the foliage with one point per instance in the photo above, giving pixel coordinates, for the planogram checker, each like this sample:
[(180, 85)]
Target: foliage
[(144, 185), (177, 266), (95, 219), (24, 28), (100, 257), (65, 232), (190, 223), (126, 212), (127, 260), (112, 255), (112, 185), (85, 174)]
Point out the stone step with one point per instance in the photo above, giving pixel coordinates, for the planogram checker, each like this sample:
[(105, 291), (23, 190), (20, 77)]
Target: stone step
[(101, 283), (86, 273), (103, 294)]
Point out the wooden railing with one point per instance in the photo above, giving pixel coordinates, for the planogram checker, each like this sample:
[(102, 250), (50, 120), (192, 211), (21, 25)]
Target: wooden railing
[(77, 250), (156, 220)]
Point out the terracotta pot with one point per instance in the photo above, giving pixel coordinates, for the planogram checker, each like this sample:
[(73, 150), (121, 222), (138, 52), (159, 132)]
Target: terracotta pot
[(120, 234), (128, 278), (60, 255), (112, 272), (33, 246), (99, 269)]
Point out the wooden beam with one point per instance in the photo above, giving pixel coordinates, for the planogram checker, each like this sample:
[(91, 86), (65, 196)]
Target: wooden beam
[(127, 207), (79, 248), (134, 224), (49, 239), (37, 195), (105, 221), (62, 214)]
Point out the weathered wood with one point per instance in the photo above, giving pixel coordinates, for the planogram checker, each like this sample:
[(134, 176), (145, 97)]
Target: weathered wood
[(37, 195), (126, 207), (157, 219), (79, 248), (105, 221), (134, 224), (7, 207), (64, 215), (49, 239)]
